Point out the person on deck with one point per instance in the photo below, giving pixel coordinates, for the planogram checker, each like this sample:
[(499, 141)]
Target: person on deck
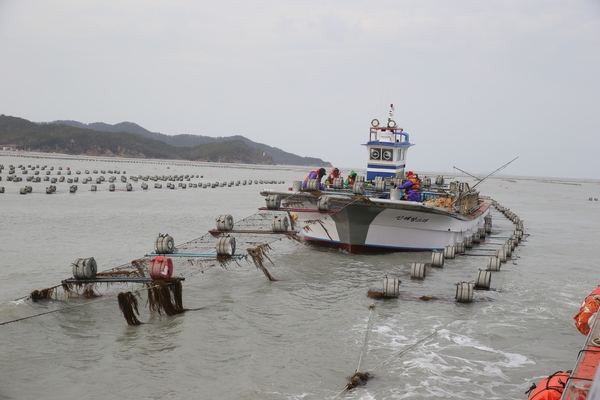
[(335, 173), (316, 174), (412, 187), (351, 178)]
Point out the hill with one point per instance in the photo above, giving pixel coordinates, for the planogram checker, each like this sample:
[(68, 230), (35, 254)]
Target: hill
[(185, 140), (68, 139), (127, 139)]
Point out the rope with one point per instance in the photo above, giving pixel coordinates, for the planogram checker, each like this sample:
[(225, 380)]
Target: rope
[(53, 311), (371, 307), (395, 355), (406, 350), (68, 308)]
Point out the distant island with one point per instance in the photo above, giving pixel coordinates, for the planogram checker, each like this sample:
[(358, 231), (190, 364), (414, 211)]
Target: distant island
[(127, 139)]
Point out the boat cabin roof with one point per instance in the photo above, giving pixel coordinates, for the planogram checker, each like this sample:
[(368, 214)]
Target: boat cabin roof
[(388, 137)]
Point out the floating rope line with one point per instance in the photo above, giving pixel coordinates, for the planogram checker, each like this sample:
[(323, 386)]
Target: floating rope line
[(407, 349), (371, 307), (360, 378), (158, 301), (53, 311)]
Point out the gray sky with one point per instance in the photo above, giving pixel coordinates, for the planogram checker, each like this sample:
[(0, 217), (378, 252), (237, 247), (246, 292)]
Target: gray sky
[(475, 83)]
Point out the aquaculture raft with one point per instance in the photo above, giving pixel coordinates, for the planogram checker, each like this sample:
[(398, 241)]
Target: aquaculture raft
[(155, 271)]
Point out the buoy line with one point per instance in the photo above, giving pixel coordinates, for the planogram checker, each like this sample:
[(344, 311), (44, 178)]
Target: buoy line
[(79, 305), (371, 307), (361, 378), (53, 311), (367, 374)]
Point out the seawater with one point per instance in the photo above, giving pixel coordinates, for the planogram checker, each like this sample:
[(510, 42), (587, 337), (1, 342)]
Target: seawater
[(302, 336)]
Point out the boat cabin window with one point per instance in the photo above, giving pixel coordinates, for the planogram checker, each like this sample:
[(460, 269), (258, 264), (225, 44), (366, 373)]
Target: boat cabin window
[(381, 154), (375, 154)]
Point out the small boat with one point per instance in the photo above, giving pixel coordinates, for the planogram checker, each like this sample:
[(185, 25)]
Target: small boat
[(369, 216)]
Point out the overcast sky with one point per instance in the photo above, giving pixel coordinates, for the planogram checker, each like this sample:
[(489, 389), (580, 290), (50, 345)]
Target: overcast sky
[(475, 83)]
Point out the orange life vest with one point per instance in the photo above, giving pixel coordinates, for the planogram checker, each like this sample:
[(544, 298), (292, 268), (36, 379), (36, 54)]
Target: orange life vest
[(550, 388), (588, 308), (333, 175), (316, 171), (416, 183)]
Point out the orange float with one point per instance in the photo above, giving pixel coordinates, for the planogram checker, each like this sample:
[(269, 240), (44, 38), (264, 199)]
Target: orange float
[(588, 308), (550, 388)]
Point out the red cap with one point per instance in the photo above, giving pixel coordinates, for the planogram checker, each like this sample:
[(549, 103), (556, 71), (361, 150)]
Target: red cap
[(409, 173)]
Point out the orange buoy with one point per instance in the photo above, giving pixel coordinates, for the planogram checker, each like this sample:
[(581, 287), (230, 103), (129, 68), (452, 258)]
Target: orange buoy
[(588, 308), (161, 267), (549, 388)]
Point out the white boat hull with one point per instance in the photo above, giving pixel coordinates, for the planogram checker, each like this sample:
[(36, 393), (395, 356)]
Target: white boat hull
[(387, 225)]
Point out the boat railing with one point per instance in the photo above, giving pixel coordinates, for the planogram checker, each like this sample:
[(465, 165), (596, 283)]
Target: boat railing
[(582, 377), (388, 135)]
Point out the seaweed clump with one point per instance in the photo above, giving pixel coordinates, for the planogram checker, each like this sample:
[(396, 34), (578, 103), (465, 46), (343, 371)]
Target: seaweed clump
[(358, 379), (166, 296), (128, 304)]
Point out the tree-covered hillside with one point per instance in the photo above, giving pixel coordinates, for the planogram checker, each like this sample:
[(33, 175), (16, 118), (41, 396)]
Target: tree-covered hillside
[(69, 139)]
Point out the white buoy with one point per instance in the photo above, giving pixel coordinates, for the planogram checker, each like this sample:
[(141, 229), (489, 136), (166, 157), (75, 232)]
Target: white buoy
[(280, 223), (85, 268), (483, 279), (468, 240), (338, 183), (225, 246), (324, 203), (501, 254), (358, 188), (460, 247), (164, 244), (391, 287), (313, 184), (437, 259), (273, 201), (464, 292), (224, 222), (449, 252), (488, 228), (481, 233), (494, 264), (418, 270)]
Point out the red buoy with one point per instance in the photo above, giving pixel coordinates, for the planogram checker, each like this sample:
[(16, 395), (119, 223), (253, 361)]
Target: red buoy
[(161, 267)]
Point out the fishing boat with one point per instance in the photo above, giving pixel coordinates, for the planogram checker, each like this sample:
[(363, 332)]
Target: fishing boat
[(370, 216)]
